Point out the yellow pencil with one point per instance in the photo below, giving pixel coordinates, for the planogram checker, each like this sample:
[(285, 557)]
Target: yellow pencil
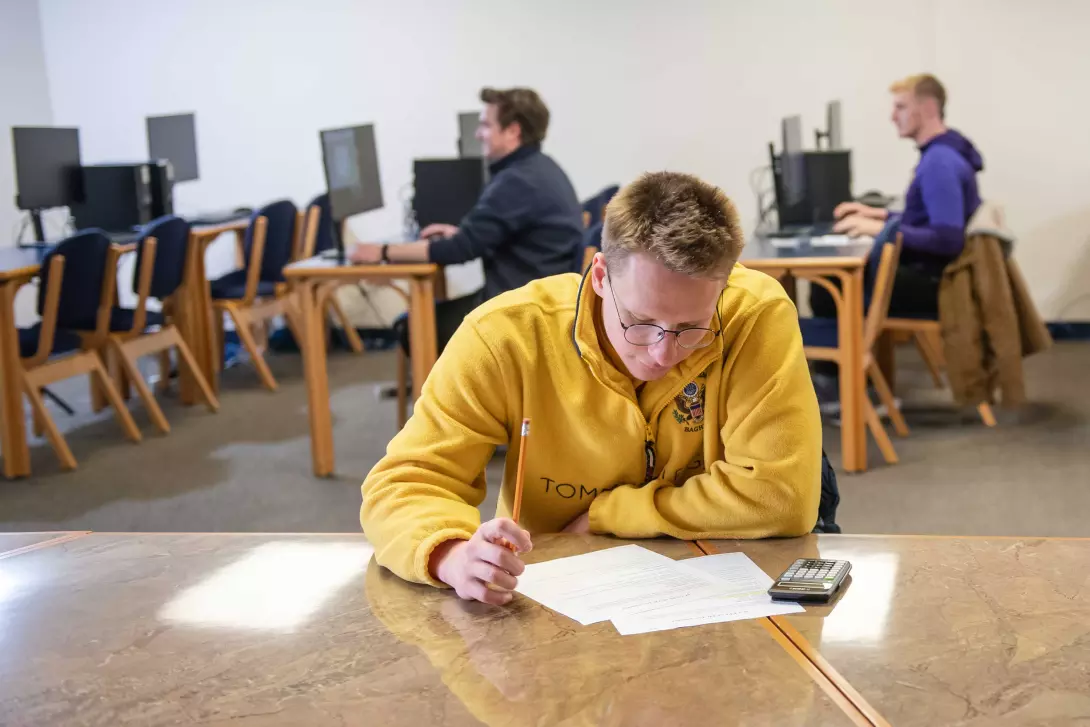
[(516, 508)]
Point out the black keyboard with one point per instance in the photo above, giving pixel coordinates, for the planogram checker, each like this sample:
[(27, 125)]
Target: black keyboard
[(816, 230)]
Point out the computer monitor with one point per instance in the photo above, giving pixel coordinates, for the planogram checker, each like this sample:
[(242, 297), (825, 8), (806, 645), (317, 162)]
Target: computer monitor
[(47, 166), (351, 171), (174, 138), (350, 159), (792, 162), (833, 129), (468, 144), (445, 190), (47, 170)]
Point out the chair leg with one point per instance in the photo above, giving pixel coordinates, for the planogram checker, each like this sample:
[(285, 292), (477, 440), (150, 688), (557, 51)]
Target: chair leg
[(886, 395), (986, 414), (935, 338), (56, 439), (246, 336), (402, 382), (112, 395), (220, 337), (98, 399), (350, 333), (923, 345), (874, 423), (155, 412), (39, 423), (164, 372), (191, 363), (118, 373)]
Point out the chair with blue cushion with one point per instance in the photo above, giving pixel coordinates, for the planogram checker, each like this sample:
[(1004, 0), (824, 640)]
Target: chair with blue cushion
[(823, 341), (317, 238), (256, 294), (158, 273), (52, 351)]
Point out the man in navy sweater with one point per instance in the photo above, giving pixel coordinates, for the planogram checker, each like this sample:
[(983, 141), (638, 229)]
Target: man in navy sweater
[(527, 224), (939, 202)]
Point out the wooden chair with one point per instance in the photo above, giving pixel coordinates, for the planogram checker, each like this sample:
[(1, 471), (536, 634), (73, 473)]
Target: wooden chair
[(160, 265), (821, 341), (255, 295), (50, 352), (317, 236), (927, 335)]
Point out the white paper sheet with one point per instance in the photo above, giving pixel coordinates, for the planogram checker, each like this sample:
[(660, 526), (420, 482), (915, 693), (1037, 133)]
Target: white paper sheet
[(597, 586), (743, 595)]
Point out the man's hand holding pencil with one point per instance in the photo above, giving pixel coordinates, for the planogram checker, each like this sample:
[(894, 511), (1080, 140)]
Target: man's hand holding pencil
[(483, 568), (486, 567)]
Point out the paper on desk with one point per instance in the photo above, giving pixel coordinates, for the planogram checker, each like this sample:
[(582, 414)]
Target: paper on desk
[(743, 595), (597, 586)]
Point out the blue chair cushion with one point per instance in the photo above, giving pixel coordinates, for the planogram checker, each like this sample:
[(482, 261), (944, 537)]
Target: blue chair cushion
[(63, 341), (121, 320), (232, 286), (819, 332)]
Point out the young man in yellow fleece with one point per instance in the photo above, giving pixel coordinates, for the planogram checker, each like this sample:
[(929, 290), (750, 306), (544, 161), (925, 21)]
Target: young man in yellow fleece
[(668, 391)]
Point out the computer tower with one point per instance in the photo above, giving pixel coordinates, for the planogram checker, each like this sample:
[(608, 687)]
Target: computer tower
[(445, 190), (116, 197), (828, 183), (162, 188)]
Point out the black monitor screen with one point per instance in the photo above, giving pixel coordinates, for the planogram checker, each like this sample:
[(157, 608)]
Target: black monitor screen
[(174, 138), (47, 166), (468, 144), (351, 171), (446, 189)]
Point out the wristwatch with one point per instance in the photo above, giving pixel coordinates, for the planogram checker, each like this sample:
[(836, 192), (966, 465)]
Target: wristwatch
[(385, 249)]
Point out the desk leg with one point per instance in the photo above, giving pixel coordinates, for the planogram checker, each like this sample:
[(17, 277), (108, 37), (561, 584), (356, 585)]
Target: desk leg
[(309, 298), (186, 312), (885, 357), (423, 345), (16, 453), (853, 382)]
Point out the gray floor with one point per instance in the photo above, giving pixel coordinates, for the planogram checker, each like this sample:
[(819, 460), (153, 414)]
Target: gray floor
[(247, 468)]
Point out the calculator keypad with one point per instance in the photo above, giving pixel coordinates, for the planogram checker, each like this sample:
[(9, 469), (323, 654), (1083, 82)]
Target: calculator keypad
[(817, 571)]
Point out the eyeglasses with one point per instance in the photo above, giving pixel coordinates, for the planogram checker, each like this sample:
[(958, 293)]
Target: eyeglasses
[(648, 334)]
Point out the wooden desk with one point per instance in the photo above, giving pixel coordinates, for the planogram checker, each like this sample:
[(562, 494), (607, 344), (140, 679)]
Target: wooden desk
[(265, 630), (195, 319), (845, 264), (18, 266), (312, 281), (944, 631)]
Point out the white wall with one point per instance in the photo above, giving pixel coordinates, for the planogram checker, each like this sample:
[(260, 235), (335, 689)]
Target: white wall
[(24, 101), (697, 86)]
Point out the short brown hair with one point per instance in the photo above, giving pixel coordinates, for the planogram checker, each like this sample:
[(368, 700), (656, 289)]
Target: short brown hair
[(522, 105), (923, 85), (689, 226)]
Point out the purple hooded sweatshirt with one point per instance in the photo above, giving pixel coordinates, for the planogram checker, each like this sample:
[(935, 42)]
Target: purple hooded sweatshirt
[(941, 199)]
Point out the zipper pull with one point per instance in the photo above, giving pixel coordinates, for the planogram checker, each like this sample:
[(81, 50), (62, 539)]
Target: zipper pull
[(649, 454)]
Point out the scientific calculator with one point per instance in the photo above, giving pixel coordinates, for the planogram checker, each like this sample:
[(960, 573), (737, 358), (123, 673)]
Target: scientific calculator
[(810, 580)]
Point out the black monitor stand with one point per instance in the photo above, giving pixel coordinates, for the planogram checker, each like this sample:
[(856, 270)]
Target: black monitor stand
[(39, 230), (338, 240)]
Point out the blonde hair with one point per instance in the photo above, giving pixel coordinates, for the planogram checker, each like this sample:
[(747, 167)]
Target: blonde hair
[(923, 85), (689, 226)]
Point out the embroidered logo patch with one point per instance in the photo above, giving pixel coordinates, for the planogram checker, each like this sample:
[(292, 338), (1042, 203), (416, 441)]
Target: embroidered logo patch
[(689, 405)]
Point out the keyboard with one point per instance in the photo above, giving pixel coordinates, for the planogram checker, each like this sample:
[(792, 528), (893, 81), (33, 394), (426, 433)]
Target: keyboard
[(219, 217), (816, 230)]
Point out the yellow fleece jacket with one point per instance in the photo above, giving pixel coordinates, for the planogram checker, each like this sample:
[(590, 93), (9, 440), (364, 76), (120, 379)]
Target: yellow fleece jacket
[(731, 449)]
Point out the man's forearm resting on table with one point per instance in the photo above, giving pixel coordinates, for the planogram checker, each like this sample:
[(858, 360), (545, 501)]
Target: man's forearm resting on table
[(409, 252), (711, 506)]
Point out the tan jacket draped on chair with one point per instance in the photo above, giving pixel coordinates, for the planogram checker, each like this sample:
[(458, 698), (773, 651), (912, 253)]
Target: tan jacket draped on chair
[(989, 321)]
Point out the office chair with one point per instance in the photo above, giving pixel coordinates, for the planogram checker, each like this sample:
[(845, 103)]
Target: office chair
[(160, 266), (821, 342), (254, 294), (51, 350)]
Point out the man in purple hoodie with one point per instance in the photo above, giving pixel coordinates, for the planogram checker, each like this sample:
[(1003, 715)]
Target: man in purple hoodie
[(939, 202)]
